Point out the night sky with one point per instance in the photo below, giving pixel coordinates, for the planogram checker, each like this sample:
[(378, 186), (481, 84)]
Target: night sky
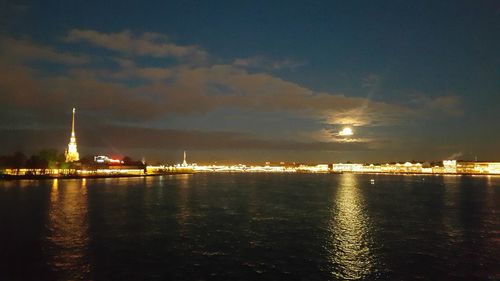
[(253, 81)]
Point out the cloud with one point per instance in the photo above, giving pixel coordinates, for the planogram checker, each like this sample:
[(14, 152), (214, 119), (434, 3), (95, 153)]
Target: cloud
[(369, 115), (135, 93), (260, 62), (125, 138), (228, 86), (21, 88), (449, 104), (334, 136), (130, 70), (183, 90), (454, 156), (370, 81), (21, 50), (178, 89), (143, 44)]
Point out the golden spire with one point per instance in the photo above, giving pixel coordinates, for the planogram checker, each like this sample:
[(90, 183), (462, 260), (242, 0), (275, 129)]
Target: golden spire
[(72, 152), (184, 163), (73, 123)]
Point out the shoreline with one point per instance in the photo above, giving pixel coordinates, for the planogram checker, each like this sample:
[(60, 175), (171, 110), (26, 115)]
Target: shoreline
[(50, 177), (64, 177)]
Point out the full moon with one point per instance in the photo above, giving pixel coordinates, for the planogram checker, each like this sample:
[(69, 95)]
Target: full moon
[(346, 132)]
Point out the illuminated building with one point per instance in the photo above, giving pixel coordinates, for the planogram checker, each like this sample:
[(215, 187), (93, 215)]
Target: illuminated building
[(409, 167), (427, 170), (113, 170), (184, 163), (347, 167), (106, 160), (72, 152), (494, 168), (450, 166), (478, 167), (320, 168), (184, 166)]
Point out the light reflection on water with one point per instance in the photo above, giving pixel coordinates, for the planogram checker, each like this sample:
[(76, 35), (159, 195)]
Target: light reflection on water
[(251, 227), (67, 226), (451, 200), (351, 246), (184, 211)]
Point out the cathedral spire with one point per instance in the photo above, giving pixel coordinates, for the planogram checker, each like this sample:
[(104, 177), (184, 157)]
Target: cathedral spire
[(73, 123), (72, 151), (184, 163)]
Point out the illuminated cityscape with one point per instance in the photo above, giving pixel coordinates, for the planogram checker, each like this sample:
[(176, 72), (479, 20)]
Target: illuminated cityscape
[(250, 140), (458, 167), (107, 166)]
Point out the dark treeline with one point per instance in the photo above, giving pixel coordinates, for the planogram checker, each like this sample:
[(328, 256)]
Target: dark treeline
[(48, 159)]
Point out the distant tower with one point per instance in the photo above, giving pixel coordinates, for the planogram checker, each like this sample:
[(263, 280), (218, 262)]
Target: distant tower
[(184, 163), (72, 153)]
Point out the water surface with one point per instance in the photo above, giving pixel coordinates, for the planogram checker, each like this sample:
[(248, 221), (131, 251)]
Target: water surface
[(251, 227)]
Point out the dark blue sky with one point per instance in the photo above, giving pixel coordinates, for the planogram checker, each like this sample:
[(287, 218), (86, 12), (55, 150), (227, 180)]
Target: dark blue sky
[(415, 79)]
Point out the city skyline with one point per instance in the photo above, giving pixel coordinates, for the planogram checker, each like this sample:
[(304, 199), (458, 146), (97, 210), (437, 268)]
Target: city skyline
[(122, 164), (254, 83), (47, 164)]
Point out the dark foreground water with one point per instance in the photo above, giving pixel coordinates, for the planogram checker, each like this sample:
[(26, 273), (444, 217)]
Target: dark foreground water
[(251, 227)]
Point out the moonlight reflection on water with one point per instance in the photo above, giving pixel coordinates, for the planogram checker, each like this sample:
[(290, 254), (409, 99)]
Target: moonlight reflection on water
[(251, 227), (350, 249)]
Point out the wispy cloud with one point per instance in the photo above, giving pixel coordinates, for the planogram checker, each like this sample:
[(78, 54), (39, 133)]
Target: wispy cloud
[(333, 136), (126, 138), (455, 156), (449, 104), (369, 114), (261, 62), (130, 70), (141, 44), (188, 90), (208, 88), (370, 81), (15, 50), (182, 88)]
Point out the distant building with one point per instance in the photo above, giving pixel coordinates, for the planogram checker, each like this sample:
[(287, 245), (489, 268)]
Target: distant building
[(450, 166), (320, 168), (347, 167), (106, 160), (184, 163), (72, 152), (409, 167), (372, 168), (467, 167), (494, 168)]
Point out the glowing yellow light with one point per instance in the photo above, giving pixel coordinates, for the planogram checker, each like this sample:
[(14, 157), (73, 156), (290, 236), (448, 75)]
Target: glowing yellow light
[(347, 131)]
